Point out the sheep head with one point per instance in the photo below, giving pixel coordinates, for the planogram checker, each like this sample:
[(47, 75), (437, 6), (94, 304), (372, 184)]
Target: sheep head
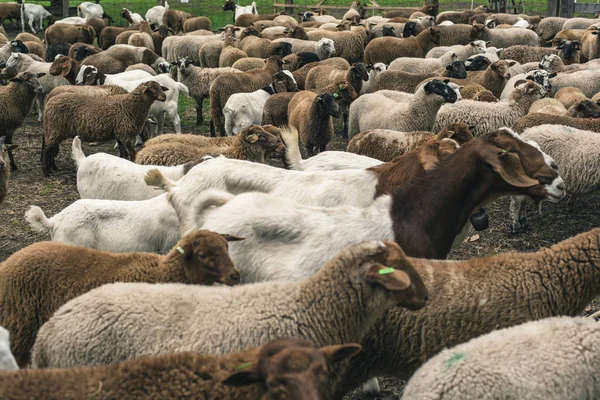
[(256, 135), (502, 68), (585, 109), (326, 105), (458, 131), (153, 90), (476, 31), (439, 88), (30, 80), (360, 69), (61, 66), (229, 5), (206, 258), (291, 369)]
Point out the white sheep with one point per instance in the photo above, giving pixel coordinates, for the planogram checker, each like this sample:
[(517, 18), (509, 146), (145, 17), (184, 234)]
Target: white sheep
[(154, 16), (588, 80), (74, 20), (575, 151), (553, 358), (422, 65), (89, 9), (7, 360), (539, 76), (376, 111), (463, 52), (377, 68), (164, 318), (36, 13), (104, 176)]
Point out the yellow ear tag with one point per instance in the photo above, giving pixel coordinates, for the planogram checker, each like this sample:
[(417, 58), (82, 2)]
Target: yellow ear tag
[(386, 271), (179, 249), (243, 366)]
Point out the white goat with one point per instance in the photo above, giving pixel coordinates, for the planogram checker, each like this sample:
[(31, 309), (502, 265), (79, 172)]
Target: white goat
[(251, 9), (154, 16), (90, 9), (135, 17), (74, 20), (36, 13), (107, 177)]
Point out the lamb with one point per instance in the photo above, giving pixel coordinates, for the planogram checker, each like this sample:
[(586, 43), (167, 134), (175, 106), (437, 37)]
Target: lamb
[(104, 176), (586, 80), (503, 38), (354, 269), (132, 18), (525, 54), (16, 100), (367, 112), (230, 53), (549, 27), (516, 362), (387, 49), (531, 120), (486, 117), (69, 33), (311, 114), (224, 377), (547, 105), (155, 15), (200, 257), (119, 117), (349, 45), (227, 84), (198, 81), (385, 145), (239, 10), (576, 151), (252, 144), (245, 109), (569, 96), (422, 65), (7, 360), (324, 48), (4, 171)]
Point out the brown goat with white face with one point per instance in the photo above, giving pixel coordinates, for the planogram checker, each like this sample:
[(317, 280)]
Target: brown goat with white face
[(40, 278)]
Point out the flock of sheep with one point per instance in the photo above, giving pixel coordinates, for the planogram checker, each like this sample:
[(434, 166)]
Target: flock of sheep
[(331, 271)]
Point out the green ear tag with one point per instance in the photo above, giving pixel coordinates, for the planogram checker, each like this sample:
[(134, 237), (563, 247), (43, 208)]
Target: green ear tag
[(179, 249), (243, 366), (386, 271), (336, 95)]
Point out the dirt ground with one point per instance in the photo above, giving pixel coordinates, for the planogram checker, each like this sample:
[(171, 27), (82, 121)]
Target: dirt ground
[(28, 187)]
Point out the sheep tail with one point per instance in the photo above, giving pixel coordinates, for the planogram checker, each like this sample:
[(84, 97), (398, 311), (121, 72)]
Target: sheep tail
[(155, 178), (183, 88), (293, 158), (38, 221), (212, 198), (76, 152)]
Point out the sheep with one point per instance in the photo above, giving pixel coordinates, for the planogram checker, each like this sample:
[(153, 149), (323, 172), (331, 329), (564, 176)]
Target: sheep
[(349, 45), (407, 12), (463, 52), (422, 65), (252, 144), (142, 67), (143, 38), (387, 49), (193, 140), (14, 46), (530, 120), (311, 115), (569, 96), (69, 33), (119, 57), (98, 91), (119, 117), (549, 27), (132, 18), (300, 74), (225, 377), (541, 77), (323, 48), (196, 23), (7, 360), (385, 145), (586, 80), (155, 15), (37, 13), (245, 109), (90, 9), (10, 11), (590, 45), (525, 54), (264, 48), (57, 49), (200, 257), (322, 76), (73, 21), (553, 64), (579, 23), (460, 17), (504, 37), (374, 72), (576, 151), (227, 84), (4, 171), (547, 105), (177, 47), (16, 100), (584, 109), (108, 36), (485, 117), (79, 51), (198, 81), (174, 19), (230, 53), (372, 111), (519, 362), (409, 82), (354, 270)]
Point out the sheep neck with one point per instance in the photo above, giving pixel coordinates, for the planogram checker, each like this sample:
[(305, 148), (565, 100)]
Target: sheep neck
[(491, 292), (431, 211)]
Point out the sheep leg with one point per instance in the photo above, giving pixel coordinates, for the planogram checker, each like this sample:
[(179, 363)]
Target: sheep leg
[(518, 214), (345, 128), (130, 151), (310, 150), (199, 118), (322, 147), (39, 103), (122, 151), (160, 127), (48, 158)]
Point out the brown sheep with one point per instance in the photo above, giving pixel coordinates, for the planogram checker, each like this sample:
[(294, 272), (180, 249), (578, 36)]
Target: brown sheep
[(301, 74), (255, 46), (191, 140), (324, 75), (485, 96), (387, 49), (158, 37), (197, 23), (69, 33), (10, 11), (291, 366), (39, 279), (230, 53), (74, 51), (529, 120), (253, 144), (407, 12), (66, 67), (108, 37), (245, 20), (174, 20), (37, 48), (98, 24), (27, 37), (143, 38), (386, 145), (227, 84), (310, 114), (471, 90), (569, 96)]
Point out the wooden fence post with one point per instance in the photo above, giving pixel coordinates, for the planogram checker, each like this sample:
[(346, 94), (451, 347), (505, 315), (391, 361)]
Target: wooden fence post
[(65, 8), (552, 10), (289, 10)]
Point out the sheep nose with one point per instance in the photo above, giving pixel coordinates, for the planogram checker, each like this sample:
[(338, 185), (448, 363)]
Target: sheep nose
[(233, 278)]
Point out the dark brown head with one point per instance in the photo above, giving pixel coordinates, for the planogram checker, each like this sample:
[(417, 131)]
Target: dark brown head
[(360, 69), (456, 70), (345, 94), (153, 90), (326, 105), (458, 131), (569, 49), (436, 35), (257, 136), (584, 109), (282, 49), (477, 31), (229, 5), (206, 258), (61, 66), (250, 31), (291, 369), (283, 81)]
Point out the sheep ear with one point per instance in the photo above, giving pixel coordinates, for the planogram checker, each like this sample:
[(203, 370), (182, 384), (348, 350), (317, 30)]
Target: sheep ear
[(164, 88), (231, 238), (389, 278), (65, 69), (252, 138), (247, 376), (15, 79), (510, 64), (488, 43), (11, 147), (509, 167), (337, 353)]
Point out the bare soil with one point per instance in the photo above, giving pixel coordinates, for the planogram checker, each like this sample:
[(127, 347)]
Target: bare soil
[(28, 187)]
